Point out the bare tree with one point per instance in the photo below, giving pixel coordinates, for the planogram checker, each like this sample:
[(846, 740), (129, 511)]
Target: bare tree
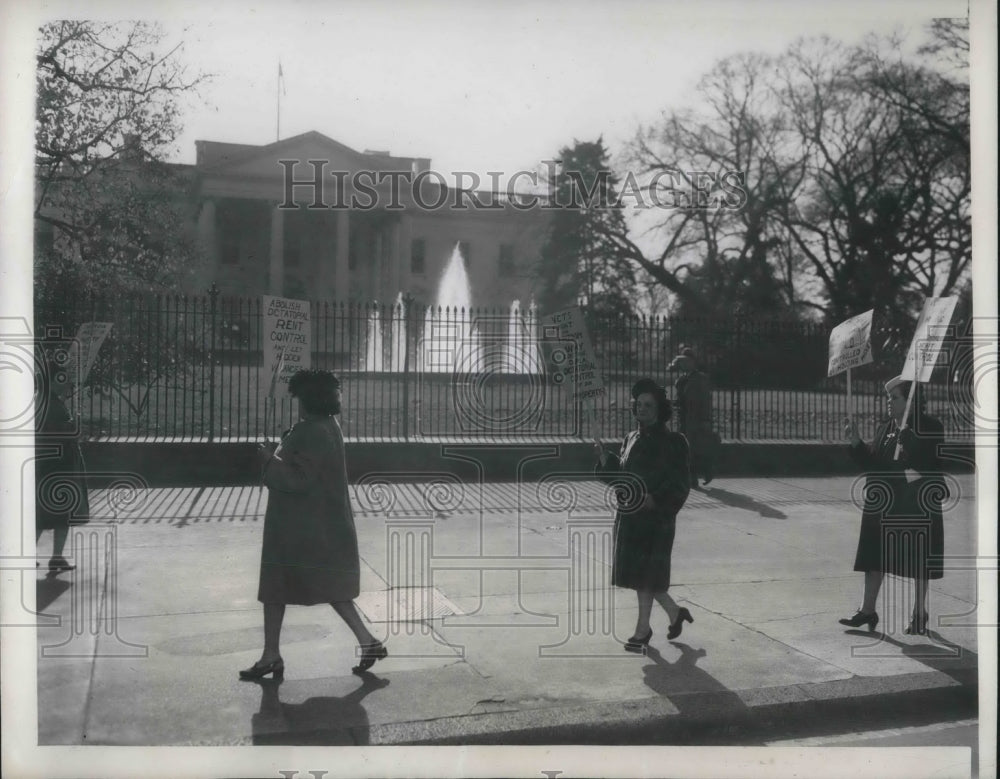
[(108, 111), (723, 247), (883, 216), (854, 166)]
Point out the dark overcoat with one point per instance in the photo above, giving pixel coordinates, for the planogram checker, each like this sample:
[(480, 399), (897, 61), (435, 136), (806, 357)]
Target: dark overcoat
[(655, 462), (694, 418), (310, 549), (60, 472), (902, 528)]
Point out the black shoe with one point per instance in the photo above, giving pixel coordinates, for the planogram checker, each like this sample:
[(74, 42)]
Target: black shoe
[(708, 479), (860, 619), (917, 627), (683, 615), (59, 564), (259, 670), (369, 655), (638, 645)]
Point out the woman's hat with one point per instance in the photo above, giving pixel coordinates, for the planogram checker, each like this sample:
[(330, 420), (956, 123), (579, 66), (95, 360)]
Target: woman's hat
[(893, 383)]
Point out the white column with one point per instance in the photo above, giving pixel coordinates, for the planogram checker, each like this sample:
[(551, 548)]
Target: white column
[(341, 281), (207, 241), (401, 262), (276, 278)]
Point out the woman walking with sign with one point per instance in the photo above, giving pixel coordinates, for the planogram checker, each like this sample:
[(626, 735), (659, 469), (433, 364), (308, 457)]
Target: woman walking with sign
[(310, 549), (656, 463), (902, 529)]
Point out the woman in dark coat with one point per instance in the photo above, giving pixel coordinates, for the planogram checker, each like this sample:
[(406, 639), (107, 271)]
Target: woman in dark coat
[(902, 530), (310, 549), (694, 415), (656, 466), (60, 472)]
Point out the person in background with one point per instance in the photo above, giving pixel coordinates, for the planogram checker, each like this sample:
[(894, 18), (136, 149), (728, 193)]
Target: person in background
[(902, 528), (61, 473), (310, 546), (694, 414), (655, 462)]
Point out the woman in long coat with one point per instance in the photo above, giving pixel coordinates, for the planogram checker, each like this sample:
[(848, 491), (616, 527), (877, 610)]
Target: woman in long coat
[(60, 472), (655, 463), (902, 529), (310, 548)]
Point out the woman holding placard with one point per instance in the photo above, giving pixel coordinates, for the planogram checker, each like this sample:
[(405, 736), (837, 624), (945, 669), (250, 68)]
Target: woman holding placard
[(902, 530), (309, 553)]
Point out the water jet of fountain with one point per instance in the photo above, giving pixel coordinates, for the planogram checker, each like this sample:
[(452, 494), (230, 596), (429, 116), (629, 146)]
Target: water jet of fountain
[(397, 356), (521, 352), (448, 335), (373, 350)]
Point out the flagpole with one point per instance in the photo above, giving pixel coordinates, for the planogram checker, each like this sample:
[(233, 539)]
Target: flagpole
[(277, 95)]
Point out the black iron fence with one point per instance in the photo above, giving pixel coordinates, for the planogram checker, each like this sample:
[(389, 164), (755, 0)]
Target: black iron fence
[(191, 368)]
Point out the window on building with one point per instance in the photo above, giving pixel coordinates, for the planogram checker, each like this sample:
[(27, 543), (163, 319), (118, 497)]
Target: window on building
[(229, 250), (228, 229), (293, 257), (353, 249), (418, 255), (505, 266), (466, 249)]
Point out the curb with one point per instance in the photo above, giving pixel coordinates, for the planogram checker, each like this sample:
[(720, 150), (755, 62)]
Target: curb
[(708, 717)]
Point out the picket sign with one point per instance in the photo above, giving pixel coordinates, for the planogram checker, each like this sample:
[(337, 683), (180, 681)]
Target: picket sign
[(850, 347), (89, 338), (925, 348), (576, 363)]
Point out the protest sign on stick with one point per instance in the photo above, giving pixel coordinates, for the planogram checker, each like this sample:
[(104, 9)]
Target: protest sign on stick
[(89, 338), (287, 339), (850, 347), (925, 348), (576, 364)]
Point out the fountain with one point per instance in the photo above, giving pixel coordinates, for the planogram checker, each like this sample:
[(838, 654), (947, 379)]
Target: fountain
[(397, 358), (521, 350), (374, 358), (452, 342)]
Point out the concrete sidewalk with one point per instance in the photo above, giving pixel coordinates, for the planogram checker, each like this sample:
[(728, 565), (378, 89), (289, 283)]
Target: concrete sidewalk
[(494, 604)]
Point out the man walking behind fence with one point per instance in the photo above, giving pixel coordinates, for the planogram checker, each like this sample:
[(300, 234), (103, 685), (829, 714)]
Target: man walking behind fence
[(694, 414)]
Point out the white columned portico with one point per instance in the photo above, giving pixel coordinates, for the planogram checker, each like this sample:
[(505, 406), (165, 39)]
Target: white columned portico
[(276, 275), (404, 242), (340, 275)]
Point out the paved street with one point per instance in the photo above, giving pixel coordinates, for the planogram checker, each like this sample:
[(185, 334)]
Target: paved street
[(501, 628)]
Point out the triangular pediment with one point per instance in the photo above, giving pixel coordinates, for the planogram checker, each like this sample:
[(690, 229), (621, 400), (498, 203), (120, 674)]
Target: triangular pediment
[(262, 161)]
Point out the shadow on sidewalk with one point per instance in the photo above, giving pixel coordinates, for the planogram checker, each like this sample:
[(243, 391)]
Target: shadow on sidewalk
[(320, 720), (936, 652), (695, 693), (737, 500), (48, 590)]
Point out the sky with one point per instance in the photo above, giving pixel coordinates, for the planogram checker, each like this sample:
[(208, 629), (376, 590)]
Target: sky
[(482, 86)]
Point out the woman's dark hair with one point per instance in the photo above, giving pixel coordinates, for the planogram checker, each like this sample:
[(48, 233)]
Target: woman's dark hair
[(316, 391), (664, 408)]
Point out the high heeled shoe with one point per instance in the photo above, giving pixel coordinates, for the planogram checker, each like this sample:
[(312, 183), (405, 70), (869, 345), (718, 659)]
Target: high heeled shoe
[(638, 645), (860, 619), (917, 626), (370, 654), (259, 670), (60, 564), (683, 615)]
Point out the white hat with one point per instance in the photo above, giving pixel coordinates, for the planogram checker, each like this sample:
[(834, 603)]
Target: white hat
[(894, 382)]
